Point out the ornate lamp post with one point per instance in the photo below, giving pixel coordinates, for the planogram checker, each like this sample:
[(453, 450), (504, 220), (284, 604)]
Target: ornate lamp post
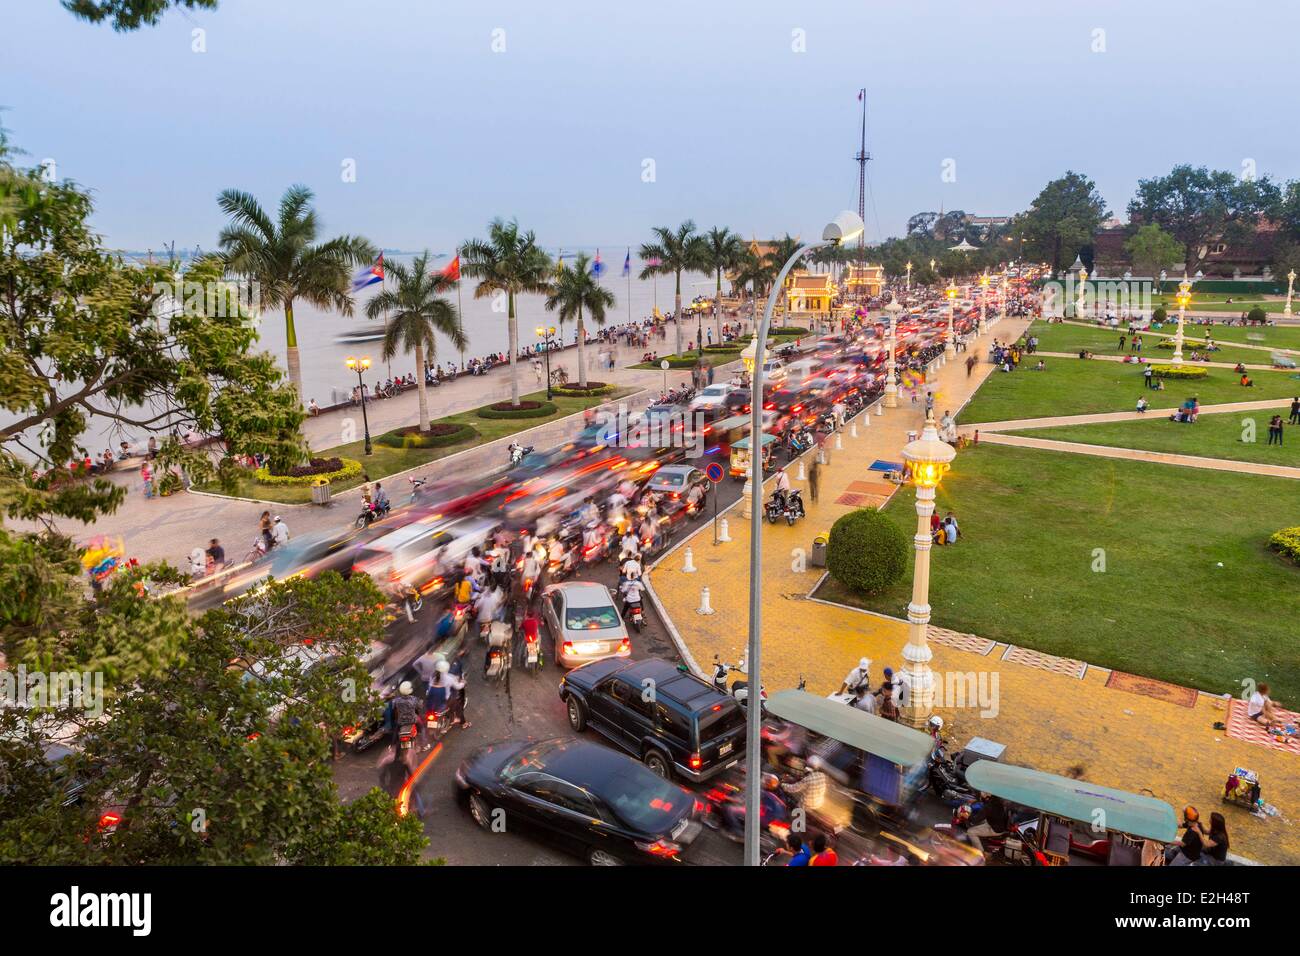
[(950, 349), (359, 366), (909, 280), (928, 459), (1083, 288), (1003, 309), (893, 310), (932, 267), (547, 334), (749, 358), (1184, 297), (984, 295), (1290, 284)]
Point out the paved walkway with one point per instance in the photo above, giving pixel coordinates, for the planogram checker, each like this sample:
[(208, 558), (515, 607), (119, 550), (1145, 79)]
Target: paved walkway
[(1137, 454), (1056, 715), (1018, 424), (1189, 332), (1159, 361)]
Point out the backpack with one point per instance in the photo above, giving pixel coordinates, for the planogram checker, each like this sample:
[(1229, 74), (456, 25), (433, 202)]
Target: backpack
[(406, 711)]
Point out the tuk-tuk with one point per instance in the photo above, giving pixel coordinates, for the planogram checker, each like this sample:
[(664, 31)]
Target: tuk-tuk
[(1079, 818), (727, 431), (740, 456), (876, 763)]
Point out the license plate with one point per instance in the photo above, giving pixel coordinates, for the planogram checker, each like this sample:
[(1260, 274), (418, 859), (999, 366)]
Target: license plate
[(724, 749), (589, 647), (732, 764)]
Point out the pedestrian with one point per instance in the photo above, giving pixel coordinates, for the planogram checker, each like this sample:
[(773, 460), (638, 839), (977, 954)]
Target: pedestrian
[(1146, 376), (814, 479), (799, 855), (1295, 410), (823, 853), (146, 478), (1275, 430)]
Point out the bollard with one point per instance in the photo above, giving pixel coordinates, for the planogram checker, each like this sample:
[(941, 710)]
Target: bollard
[(880, 409), (705, 607), (866, 420), (723, 534), (689, 566), (801, 476), (853, 430), (839, 442), (821, 456)]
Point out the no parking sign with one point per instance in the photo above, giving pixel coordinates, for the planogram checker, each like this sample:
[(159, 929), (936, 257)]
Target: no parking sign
[(714, 472)]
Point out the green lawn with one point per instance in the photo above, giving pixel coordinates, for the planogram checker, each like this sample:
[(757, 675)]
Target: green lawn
[(1213, 436), (716, 358), (1270, 336), (1022, 569), (1204, 303), (384, 461), (1079, 387), (1058, 337)]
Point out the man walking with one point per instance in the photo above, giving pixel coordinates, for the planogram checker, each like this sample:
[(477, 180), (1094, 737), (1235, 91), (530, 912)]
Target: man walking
[(1295, 410), (814, 479)]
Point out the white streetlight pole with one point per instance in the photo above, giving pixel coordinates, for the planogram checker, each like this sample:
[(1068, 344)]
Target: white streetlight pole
[(893, 310), (909, 280), (984, 297), (843, 228), (929, 459), (1184, 296), (950, 348), (1290, 284)]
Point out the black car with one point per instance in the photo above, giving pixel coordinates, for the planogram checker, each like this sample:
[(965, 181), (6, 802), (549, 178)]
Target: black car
[(673, 721), (587, 798)]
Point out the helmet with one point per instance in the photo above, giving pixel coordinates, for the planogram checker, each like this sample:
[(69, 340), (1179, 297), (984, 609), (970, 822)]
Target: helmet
[(1191, 814), (405, 688), (442, 667), (865, 662), (935, 723), (771, 781), (963, 813)]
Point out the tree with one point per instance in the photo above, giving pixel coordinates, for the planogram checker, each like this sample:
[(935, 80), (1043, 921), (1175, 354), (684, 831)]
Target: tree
[(415, 313), (1151, 249), (751, 270), (1061, 220), (574, 290), (1198, 205), (127, 15), (722, 250), (866, 552), (672, 253), (285, 260), (781, 251), (922, 224), (509, 263)]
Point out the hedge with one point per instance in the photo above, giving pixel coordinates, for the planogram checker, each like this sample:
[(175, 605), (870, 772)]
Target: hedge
[(1287, 542), (723, 348), (1188, 343), (1257, 315), (306, 475), (866, 552), (574, 390), (439, 435), (1179, 371), (787, 330), (1159, 315), (523, 410)]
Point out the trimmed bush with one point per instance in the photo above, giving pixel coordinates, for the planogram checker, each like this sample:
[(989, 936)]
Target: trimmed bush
[(723, 349), (1160, 315), (1257, 315), (574, 390), (331, 469), (788, 330), (439, 435), (1287, 543), (522, 410), (866, 552), (1179, 371), (680, 361)]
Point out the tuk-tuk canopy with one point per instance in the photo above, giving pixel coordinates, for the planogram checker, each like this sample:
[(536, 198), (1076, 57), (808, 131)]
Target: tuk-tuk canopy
[(744, 442), (852, 727), (1077, 800)]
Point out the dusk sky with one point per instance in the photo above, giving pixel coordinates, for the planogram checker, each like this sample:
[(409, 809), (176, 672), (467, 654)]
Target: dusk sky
[(743, 130)]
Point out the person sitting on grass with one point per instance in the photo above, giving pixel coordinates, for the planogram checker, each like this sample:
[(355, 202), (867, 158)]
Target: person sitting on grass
[(1261, 709), (1142, 405), (1246, 381)]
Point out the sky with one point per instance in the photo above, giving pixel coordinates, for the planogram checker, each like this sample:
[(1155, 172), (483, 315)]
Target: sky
[(593, 122)]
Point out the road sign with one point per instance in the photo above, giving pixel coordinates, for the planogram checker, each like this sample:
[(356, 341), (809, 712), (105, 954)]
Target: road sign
[(714, 472)]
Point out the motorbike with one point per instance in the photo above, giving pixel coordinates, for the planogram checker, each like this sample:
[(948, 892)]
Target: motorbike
[(799, 443), (1018, 846), (946, 779), (416, 485), (632, 610), (438, 720), (408, 598), (739, 689), (371, 513), (791, 508), (519, 452), (532, 645), (500, 650)]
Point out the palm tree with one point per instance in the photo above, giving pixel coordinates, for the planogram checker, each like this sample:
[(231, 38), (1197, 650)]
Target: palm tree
[(782, 249), (417, 312), (722, 251), (573, 290), (283, 257), (752, 269), (675, 252), (509, 262)]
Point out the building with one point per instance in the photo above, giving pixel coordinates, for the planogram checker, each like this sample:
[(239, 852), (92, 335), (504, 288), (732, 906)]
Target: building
[(864, 279), (1221, 259), (810, 291)]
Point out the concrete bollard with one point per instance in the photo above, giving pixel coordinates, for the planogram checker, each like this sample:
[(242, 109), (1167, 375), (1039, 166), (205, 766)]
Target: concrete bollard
[(880, 409), (801, 476), (853, 430), (723, 534), (689, 566), (705, 607), (839, 442)]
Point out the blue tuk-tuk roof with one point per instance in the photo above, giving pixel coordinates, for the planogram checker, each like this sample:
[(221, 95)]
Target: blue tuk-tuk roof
[(1077, 800), (744, 442), (855, 728)]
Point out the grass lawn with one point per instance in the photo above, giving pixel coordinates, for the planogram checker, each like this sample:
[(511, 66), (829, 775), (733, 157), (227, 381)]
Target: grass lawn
[(1270, 336), (1079, 387), (716, 358), (1213, 436), (1204, 303), (1022, 569), (1054, 337), (385, 461)]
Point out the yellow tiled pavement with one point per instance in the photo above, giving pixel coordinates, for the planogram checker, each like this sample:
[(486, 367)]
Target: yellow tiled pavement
[(1048, 721)]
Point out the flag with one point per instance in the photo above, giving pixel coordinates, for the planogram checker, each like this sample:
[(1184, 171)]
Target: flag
[(627, 264), (559, 263), (452, 271), (654, 261), (860, 93), (369, 276), (597, 267)]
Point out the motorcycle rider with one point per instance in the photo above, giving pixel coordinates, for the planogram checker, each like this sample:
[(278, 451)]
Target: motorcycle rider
[(629, 546), (782, 488), (516, 451), (590, 513), (380, 500), (860, 676), (631, 590), (694, 497), (991, 820), (405, 713), (532, 568), (445, 691)]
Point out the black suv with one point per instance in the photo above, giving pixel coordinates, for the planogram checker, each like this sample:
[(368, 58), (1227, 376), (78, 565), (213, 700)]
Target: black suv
[(676, 723)]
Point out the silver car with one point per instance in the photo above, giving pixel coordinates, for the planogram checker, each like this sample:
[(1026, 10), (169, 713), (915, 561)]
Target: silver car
[(585, 623)]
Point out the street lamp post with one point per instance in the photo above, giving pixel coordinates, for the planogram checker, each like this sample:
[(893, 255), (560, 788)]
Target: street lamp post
[(1184, 297), (893, 310), (950, 349), (750, 360), (1004, 297), (359, 366), (909, 275), (929, 459), (1083, 285), (843, 228), (984, 294), (1290, 284), (546, 333)]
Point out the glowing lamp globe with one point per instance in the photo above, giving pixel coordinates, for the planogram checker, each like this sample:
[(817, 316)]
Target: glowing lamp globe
[(749, 356), (951, 291), (929, 457)]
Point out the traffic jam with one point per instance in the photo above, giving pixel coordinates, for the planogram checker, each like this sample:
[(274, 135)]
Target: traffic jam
[(515, 722)]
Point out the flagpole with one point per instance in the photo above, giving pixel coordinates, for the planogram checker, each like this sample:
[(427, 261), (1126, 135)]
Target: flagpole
[(629, 285), (460, 309), (383, 287)]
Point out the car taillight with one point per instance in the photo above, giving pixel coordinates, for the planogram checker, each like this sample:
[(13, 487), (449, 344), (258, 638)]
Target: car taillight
[(109, 819), (661, 848), (625, 644), (568, 647), (695, 762)]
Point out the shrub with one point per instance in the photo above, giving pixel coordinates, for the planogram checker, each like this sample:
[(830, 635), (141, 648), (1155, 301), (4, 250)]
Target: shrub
[(1179, 371), (866, 552), (680, 361), (723, 349), (788, 330), (574, 390), (439, 435), (1287, 542), (330, 469), (522, 410), (1159, 315), (169, 483), (1257, 315)]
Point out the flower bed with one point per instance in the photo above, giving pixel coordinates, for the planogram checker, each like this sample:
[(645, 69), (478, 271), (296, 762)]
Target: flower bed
[(439, 435), (329, 469), (574, 390), (1179, 371), (528, 409), (1287, 543), (728, 348)]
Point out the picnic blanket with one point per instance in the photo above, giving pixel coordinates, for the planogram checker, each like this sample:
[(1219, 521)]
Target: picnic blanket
[(1243, 728)]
